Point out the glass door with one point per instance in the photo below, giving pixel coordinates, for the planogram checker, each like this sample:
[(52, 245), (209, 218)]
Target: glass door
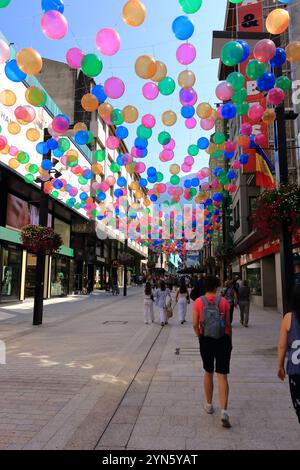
[(30, 279), (10, 274)]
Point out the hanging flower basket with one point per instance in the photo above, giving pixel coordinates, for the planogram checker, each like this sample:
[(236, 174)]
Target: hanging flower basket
[(276, 207), (39, 239)]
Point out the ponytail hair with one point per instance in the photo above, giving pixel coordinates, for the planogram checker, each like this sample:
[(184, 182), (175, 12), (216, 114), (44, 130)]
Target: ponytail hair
[(295, 304)]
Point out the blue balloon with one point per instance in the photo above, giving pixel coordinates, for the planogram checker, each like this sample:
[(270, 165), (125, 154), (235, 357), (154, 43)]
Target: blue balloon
[(187, 184), (99, 92), (101, 195), (231, 174), (81, 137), (153, 197), (183, 28), (228, 156), (58, 184), (152, 179), (52, 144), (120, 160), (118, 193), (246, 48), (13, 73), (217, 171), (141, 143), (57, 5), (203, 143), (244, 159), (228, 111), (83, 196), (187, 112), (195, 182), (266, 82), (143, 153), (143, 183), (121, 182), (58, 153), (122, 132), (47, 165), (151, 171), (279, 58), (42, 148)]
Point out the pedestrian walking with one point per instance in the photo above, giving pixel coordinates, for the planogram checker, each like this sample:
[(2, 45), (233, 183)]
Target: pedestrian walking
[(289, 342), (230, 295), (162, 301), (211, 322), (244, 303), (148, 304), (198, 288), (182, 299)]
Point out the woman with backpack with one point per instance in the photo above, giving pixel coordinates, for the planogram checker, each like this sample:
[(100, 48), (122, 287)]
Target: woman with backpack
[(289, 342), (211, 322), (231, 296), (162, 295), (182, 298), (148, 304)]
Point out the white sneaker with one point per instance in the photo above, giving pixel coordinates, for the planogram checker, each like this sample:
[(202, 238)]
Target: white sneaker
[(225, 420), (209, 409)]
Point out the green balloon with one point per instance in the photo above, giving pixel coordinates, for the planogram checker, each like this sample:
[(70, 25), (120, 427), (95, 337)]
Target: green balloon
[(64, 144), (91, 137), (193, 192), (91, 65), (236, 80), (190, 6), (159, 177), (164, 138), (144, 133), (175, 180), (114, 167), (29, 178), (99, 156), (240, 96), (77, 205), (4, 3), (33, 168), (255, 69), (167, 86), (116, 117), (284, 83), (82, 180), (193, 150), (242, 109), (55, 194), (232, 53), (23, 158), (217, 154), (219, 138)]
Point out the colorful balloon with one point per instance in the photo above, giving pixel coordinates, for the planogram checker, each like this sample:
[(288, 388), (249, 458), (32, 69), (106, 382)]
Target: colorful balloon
[(130, 114), (150, 91), (232, 53), (114, 88), (145, 67), (224, 91), (166, 86), (186, 79), (29, 61), (293, 51), (91, 65), (74, 58), (8, 98), (54, 25), (183, 28), (264, 50), (169, 118), (186, 54), (48, 5), (276, 96), (13, 72), (277, 21), (204, 110), (4, 52), (255, 69), (134, 13), (89, 103), (161, 72), (108, 41), (190, 6)]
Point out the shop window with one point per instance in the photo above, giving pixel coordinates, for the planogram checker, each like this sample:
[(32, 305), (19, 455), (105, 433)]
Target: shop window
[(59, 277), (10, 273), (63, 230), (254, 278), (236, 216)]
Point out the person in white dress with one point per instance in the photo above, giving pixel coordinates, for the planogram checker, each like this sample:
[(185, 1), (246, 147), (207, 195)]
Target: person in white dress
[(148, 304), (182, 298), (161, 296)]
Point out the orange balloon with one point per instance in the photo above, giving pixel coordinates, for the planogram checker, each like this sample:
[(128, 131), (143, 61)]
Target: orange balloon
[(33, 135), (29, 61), (130, 114), (104, 111), (169, 118), (269, 116), (80, 126), (97, 169), (293, 51), (8, 98), (147, 203), (277, 21), (215, 116), (145, 66), (14, 128), (134, 185), (13, 163), (161, 72), (186, 79), (139, 194), (243, 141), (6, 150), (134, 13), (204, 110), (89, 103)]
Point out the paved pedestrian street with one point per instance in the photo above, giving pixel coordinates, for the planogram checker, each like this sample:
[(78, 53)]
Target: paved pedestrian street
[(94, 376)]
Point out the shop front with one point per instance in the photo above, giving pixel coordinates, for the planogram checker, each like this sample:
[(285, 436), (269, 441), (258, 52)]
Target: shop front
[(10, 271)]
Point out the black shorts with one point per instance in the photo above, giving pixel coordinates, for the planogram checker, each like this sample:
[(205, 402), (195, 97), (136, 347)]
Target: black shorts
[(216, 354), (295, 392)]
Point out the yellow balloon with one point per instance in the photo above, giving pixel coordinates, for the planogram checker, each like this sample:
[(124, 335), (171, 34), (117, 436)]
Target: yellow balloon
[(174, 169), (14, 128), (169, 118), (89, 102), (130, 114), (204, 110), (293, 51), (161, 72), (186, 79), (134, 13), (33, 135), (277, 21), (8, 98), (145, 66), (29, 61)]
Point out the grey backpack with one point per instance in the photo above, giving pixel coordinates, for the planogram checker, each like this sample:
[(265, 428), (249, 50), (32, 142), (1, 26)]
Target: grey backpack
[(213, 321)]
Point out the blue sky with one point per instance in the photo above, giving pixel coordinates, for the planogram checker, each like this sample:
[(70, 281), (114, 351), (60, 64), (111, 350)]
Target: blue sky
[(20, 22)]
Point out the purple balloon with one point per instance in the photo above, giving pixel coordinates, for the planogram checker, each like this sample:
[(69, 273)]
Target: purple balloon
[(188, 96)]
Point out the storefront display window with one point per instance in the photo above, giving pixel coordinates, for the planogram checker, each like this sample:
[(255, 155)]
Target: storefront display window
[(59, 277), (10, 272), (254, 278)]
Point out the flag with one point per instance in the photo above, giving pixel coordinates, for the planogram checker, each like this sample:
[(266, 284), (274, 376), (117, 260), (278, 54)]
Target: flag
[(264, 168)]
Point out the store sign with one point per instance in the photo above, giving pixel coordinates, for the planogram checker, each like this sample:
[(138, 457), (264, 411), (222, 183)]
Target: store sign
[(250, 19), (260, 252), (20, 213)]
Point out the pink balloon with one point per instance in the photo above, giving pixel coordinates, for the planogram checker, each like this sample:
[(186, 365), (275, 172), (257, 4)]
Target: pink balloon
[(224, 91), (60, 124), (25, 113), (246, 129), (112, 142), (13, 151), (114, 88), (219, 111), (188, 96), (205, 186), (54, 25), (138, 153), (4, 52), (190, 123), (236, 165), (276, 96), (166, 155), (108, 41), (104, 186), (150, 91), (186, 168), (255, 112), (74, 58), (207, 124), (161, 188), (264, 50), (111, 181), (189, 160), (170, 146), (232, 188), (215, 184), (186, 54), (148, 121), (73, 192), (140, 167), (261, 140), (230, 146)]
